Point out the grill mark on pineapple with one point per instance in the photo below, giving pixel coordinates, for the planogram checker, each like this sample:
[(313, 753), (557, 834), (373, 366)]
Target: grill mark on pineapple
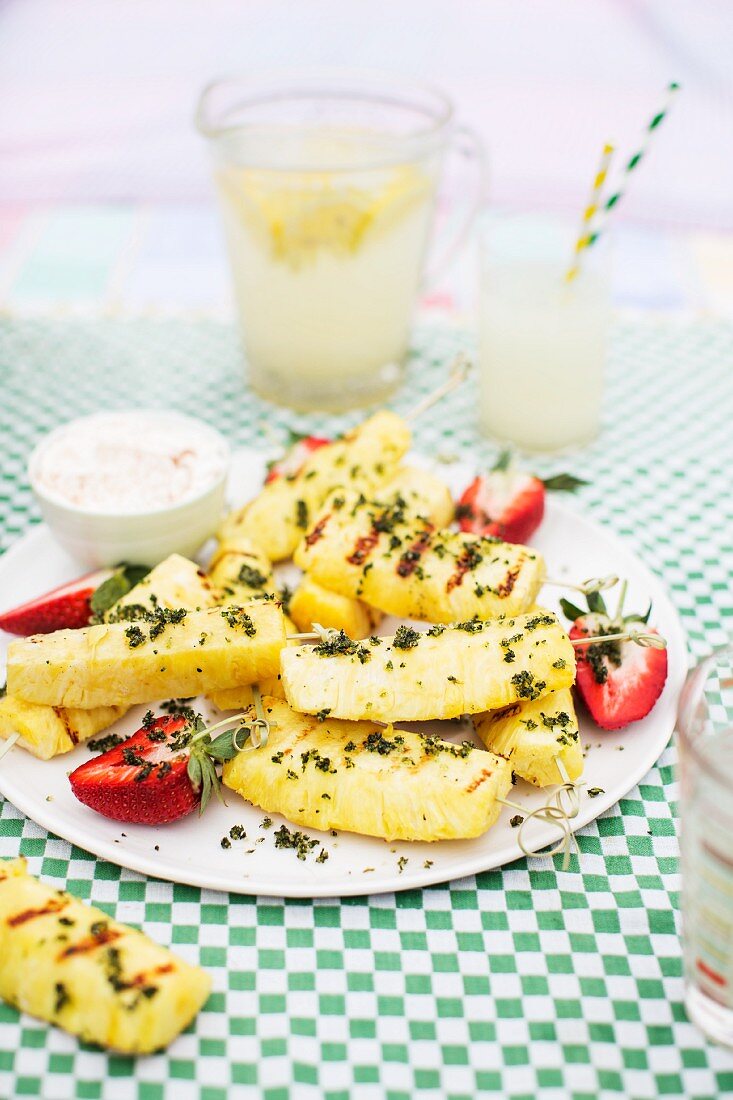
[(53, 905), (90, 943), (410, 560), (317, 533), (507, 585), (485, 774), (145, 976), (506, 712), (464, 564), (63, 717), (363, 547)]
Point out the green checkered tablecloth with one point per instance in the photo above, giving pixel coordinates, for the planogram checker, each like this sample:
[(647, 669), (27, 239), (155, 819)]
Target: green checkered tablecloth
[(523, 982)]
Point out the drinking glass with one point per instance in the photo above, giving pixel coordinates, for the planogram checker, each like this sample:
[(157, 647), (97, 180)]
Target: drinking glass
[(327, 187), (542, 340), (705, 738)]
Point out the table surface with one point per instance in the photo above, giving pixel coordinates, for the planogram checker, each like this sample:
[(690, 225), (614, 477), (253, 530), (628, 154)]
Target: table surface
[(524, 981)]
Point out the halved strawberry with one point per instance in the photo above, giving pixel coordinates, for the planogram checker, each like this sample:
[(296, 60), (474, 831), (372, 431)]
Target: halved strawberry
[(69, 605), (143, 780), (72, 605), (618, 680), (161, 773), (506, 503), (295, 458)]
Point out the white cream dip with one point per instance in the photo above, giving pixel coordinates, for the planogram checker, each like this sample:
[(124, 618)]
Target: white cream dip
[(138, 460)]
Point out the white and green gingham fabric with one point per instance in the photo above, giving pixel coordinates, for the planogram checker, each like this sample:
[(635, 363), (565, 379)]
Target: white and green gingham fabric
[(522, 982)]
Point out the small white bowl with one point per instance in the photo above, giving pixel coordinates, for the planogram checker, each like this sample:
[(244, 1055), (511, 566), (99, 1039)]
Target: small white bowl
[(145, 535)]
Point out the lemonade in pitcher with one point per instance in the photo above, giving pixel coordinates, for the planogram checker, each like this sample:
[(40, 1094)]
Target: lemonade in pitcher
[(326, 265), (327, 185)]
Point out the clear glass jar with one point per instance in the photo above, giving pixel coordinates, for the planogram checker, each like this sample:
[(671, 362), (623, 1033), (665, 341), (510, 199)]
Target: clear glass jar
[(705, 738)]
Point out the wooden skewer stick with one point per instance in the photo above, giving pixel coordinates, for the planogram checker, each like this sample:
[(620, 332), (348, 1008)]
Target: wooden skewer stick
[(646, 641), (260, 729), (9, 744), (317, 634), (458, 373), (553, 815), (587, 588), (568, 788)]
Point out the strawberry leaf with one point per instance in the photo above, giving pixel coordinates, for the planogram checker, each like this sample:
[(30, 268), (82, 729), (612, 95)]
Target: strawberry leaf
[(638, 618), (195, 771), (564, 483), (571, 611), (504, 460), (207, 783), (223, 747), (115, 587), (597, 604)]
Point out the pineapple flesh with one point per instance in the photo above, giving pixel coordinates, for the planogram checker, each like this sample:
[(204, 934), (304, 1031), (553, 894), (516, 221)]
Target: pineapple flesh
[(312, 603), (174, 582), (240, 571), (240, 698), (466, 668), (49, 731), (71, 965), (279, 515), (404, 566), (121, 663), (366, 779), (424, 494), (534, 735)]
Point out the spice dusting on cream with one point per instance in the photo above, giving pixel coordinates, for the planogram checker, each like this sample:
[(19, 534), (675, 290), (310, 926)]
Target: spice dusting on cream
[(133, 461)]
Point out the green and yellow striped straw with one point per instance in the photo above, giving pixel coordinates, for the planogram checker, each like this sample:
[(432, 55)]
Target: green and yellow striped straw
[(584, 236)]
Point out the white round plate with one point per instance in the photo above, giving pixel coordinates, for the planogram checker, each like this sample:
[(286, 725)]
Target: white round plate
[(190, 852)]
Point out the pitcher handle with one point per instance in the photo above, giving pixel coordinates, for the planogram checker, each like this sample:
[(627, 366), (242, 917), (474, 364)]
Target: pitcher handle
[(467, 144)]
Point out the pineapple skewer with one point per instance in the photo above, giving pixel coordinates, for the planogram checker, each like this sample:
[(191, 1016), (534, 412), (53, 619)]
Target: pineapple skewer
[(424, 494), (361, 460), (241, 572), (534, 736), (49, 731), (367, 779), (278, 516), (404, 566), (465, 668), (181, 654)]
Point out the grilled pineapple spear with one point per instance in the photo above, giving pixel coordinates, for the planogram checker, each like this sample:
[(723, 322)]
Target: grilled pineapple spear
[(180, 653), (465, 668), (241, 572), (405, 566), (278, 516), (48, 731), (367, 779), (70, 964), (534, 735), (424, 494)]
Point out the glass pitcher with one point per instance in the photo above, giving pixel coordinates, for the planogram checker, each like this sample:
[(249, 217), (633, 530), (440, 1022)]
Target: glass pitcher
[(327, 188)]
